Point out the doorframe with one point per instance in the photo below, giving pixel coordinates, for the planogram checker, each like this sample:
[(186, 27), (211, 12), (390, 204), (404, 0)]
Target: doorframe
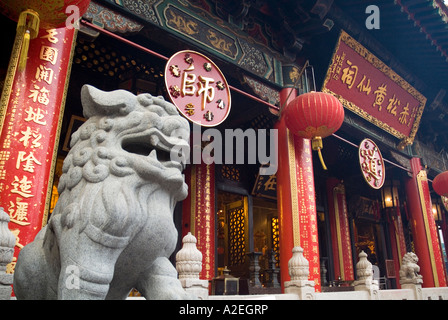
[(224, 187)]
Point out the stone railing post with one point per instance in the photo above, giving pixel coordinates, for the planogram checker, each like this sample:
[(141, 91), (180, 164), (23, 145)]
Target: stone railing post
[(364, 274), (409, 275), (189, 265), (272, 272), (254, 269), (323, 273), (7, 243), (299, 272)]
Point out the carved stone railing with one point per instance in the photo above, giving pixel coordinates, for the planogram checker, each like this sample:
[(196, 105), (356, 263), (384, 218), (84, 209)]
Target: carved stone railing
[(299, 271), (189, 265), (301, 288)]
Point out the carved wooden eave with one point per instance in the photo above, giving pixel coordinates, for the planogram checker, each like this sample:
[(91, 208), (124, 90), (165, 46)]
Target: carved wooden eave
[(108, 19)]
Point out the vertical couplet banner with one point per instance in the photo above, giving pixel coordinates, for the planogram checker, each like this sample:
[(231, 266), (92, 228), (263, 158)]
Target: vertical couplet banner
[(304, 204), (340, 230), (398, 232), (398, 244), (199, 213), (32, 106)]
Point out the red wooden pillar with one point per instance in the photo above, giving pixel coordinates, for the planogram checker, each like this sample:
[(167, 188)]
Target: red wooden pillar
[(198, 213), (340, 230), (424, 229), (444, 228), (296, 199), (32, 105), (397, 240)]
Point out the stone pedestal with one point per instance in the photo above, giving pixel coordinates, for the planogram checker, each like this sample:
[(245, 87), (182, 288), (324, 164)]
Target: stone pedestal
[(409, 275), (254, 269), (189, 265), (298, 267), (364, 274)]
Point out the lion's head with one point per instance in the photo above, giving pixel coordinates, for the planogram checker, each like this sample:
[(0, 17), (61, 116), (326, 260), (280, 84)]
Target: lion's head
[(410, 258), (126, 135), (120, 162)]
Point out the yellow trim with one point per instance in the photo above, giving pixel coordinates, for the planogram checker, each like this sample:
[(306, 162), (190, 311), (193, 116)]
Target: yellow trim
[(339, 189), (294, 195), (10, 75), (193, 199), (246, 220), (397, 240), (421, 176)]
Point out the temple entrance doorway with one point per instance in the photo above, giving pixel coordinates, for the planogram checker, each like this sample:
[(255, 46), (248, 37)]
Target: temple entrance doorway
[(247, 229), (370, 238), (232, 235)]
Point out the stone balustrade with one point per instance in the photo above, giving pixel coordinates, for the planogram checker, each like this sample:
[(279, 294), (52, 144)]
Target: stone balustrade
[(300, 288), (189, 265)]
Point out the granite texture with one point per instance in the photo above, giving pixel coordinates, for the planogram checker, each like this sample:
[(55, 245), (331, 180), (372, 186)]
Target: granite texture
[(112, 228)]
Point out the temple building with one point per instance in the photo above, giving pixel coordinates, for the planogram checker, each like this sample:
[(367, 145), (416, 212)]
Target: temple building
[(370, 188)]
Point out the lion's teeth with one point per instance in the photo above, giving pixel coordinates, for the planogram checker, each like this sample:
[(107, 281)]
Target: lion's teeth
[(154, 140), (153, 154)]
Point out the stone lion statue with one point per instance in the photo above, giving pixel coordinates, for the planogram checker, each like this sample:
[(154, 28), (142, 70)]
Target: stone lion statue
[(112, 228), (409, 268)]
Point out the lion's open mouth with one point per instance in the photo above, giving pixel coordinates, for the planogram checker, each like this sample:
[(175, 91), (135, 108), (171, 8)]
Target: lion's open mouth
[(155, 146), (145, 149)]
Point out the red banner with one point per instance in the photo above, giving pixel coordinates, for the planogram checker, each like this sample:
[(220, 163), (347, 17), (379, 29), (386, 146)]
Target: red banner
[(198, 214), (372, 90), (340, 230), (304, 205), (399, 233), (29, 136)]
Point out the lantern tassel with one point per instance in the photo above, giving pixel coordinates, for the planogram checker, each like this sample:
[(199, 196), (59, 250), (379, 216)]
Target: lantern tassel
[(317, 145), (321, 159), (28, 24), (24, 50)]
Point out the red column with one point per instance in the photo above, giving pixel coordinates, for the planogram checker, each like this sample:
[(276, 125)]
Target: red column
[(284, 203), (296, 199), (397, 240), (340, 230), (32, 103), (444, 227), (424, 229), (198, 213)]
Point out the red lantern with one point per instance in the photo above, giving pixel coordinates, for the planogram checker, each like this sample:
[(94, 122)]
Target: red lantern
[(34, 14), (314, 115), (440, 184)]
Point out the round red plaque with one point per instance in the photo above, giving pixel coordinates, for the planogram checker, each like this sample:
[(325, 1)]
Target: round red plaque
[(372, 163), (197, 88)]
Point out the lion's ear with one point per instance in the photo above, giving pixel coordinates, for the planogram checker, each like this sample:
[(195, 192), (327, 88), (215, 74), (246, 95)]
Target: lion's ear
[(97, 102)]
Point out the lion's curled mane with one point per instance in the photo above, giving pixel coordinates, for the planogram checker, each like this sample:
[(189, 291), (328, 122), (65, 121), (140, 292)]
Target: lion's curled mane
[(113, 222)]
